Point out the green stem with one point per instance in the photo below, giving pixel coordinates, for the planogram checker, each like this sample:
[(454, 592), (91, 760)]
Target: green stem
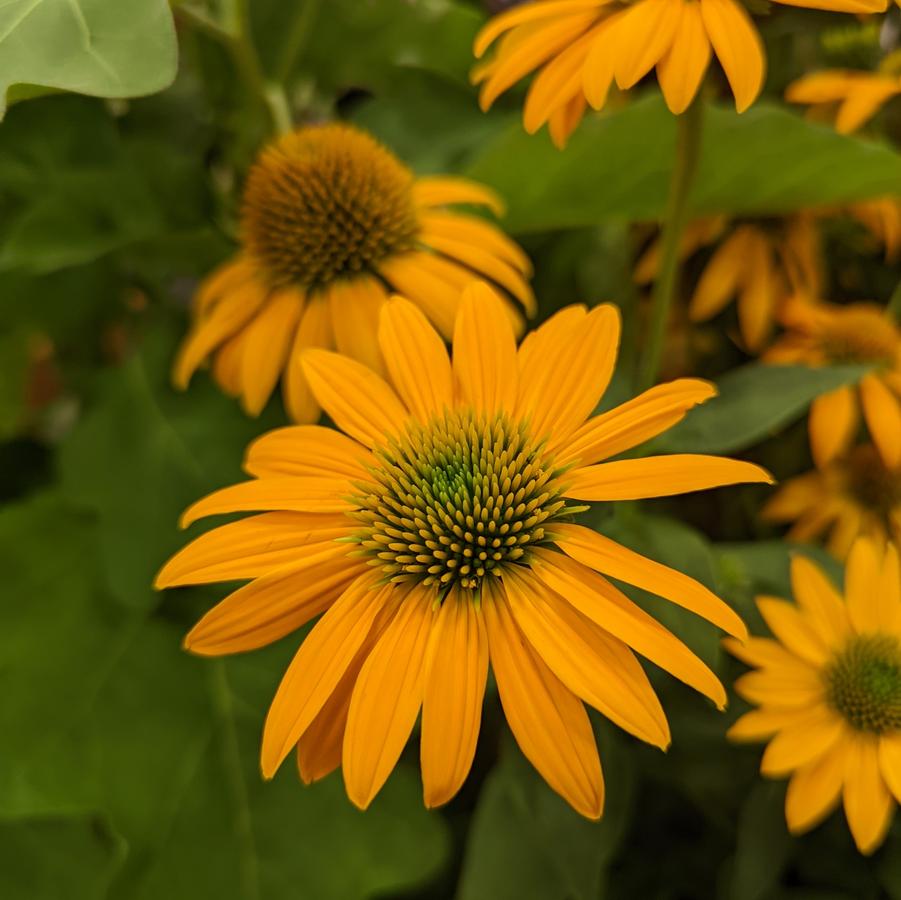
[(235, 35), (688, 146), (297, 37)]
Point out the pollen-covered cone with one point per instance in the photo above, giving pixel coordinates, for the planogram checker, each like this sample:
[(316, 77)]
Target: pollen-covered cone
[(820, 334), (759, 265), (332, 222), (581, 48), (435, 534), (856, 494), (828, 688), (856, 96)]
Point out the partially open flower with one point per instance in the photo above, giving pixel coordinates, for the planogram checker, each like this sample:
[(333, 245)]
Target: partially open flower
[(828, 689), (862, 333), (852, 496), (580, 48), (437, 534), (331, 222)]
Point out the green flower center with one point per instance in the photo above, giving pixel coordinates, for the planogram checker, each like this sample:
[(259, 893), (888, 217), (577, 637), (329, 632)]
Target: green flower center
[(456, 501), (863, 683)]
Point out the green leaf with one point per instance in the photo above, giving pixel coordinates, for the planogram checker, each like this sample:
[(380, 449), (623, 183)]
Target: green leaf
[(764, 844), (45, 859), (617, 166), (753, 404), (119, 723), (143, 453), (526, 843), (74, 198), (104, 48)]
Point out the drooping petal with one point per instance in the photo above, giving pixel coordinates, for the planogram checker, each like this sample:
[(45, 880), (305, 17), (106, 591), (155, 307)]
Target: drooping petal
[(387, 698), (416, 359), (882, 411), (832, 425), (738, 47), (595, 666), (548, 721), (890, 763), (868, 803), (356, 305), (643, 36), (863, 102), (314, 330), (603, 604), (660, 476), (452, 703), (415, 276), (359, 402), (615, 561), (275, 604), (682, 69), (722, 276), (319, 665), (760, 724), (814, 790), (478, 232)]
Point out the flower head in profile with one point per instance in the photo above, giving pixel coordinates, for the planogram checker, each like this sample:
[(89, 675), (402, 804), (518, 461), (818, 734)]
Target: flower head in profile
[(828, 688), (854, 96), (862, 333), (580, 48), (331, 222), (435, 534), (757, 264), (856, 494)]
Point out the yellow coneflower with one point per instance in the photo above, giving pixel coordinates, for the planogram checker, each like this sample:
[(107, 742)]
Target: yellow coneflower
[(435, 534), (331, 222), (582, 47), (760, 265), (829, 692), (855, 95), (854, 495), (819, 335)]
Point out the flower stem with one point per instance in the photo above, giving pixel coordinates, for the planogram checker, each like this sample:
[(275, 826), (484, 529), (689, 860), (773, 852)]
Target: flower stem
[(299, 32), (688, 146), (235, 36)]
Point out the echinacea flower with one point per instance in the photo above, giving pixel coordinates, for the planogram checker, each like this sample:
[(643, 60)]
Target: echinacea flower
[(435, 535), (854, 495), (820, 334), (581, 47), (828, 688), (757, 264), (855, 95), (331, 222)]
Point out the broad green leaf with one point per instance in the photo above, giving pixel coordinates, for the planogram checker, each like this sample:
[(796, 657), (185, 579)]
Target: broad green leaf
[(114, 720), (144, 452), (526, 843), (617, 166), (753, 403), (74, 198), (46, 859), (105, 48)]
